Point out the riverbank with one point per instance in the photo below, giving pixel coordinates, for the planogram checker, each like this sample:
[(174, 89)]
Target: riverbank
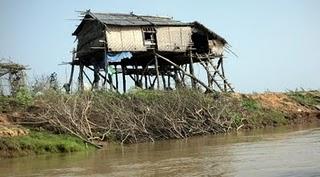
[(40, 142), (98, 117)]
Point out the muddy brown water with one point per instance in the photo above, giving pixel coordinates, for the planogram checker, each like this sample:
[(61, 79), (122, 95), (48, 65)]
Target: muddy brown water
[(277, 152)]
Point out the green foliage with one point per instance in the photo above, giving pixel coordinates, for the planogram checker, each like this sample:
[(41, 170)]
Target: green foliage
[(307, 98), (267, 117), (24, 97), (259, 116), (250, 104), (40, 143)]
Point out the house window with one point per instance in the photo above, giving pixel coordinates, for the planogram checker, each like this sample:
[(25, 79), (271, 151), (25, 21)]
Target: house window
[(149, 37)]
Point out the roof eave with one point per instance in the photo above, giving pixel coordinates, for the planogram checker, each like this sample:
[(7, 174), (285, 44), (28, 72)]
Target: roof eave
[(198, 24)]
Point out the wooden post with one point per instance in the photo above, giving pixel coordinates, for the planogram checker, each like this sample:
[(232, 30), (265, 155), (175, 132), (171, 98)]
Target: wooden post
[(163, 81), (80, 78), (175, 78), (68, 89), (117, 79), (136, 76), (157, 71), (146, 81), (191, 70), (123, 78), (208, 74), (222, 70), (169, 86), (110, 81)]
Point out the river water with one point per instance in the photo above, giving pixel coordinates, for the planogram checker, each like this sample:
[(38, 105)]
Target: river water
[(277, 152)]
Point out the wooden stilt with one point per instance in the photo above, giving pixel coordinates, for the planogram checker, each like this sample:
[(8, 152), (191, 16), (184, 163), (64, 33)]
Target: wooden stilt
[(191, 70), (136, 77), (68, 86), (208, 74), (117, 79), (163, 81), (157, 71), (222, 72), (111, 82), (175, 77), (95, 83), (80, 78), (168, 79), (123, 78), (145, 82)]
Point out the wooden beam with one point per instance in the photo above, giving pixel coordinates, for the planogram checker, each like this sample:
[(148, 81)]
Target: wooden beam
[(188, 74)]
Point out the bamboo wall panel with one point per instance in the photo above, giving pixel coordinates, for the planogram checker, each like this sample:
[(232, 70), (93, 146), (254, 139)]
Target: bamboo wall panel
[(125, 39), (173, 38)]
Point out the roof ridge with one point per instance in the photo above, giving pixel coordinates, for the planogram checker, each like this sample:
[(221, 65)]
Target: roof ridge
[(128, 14)]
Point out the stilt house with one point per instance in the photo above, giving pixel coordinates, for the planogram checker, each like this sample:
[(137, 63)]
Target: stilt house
[(146, 49)]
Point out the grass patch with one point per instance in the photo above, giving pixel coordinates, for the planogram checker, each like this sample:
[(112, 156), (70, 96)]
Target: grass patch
[(40, 143), (306, 98), (250, 104), (259, 116)]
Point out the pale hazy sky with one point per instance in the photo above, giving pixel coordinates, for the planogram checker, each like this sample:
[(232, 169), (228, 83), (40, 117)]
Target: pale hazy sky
[(277, 41)]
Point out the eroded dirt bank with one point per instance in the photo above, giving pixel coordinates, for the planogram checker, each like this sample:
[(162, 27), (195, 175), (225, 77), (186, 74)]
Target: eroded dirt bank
[(146, 116)]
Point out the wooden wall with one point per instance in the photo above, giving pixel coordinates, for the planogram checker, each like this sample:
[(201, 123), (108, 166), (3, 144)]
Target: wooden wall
[(89, 37), (125, 39), (173, 38)]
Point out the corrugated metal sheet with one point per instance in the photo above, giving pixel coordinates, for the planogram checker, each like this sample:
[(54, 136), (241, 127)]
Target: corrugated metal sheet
[(125, 39), (118, 19), (173, 38), (135, 20)]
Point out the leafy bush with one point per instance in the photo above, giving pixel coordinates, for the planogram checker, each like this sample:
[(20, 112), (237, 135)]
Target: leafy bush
[(24, 97)]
